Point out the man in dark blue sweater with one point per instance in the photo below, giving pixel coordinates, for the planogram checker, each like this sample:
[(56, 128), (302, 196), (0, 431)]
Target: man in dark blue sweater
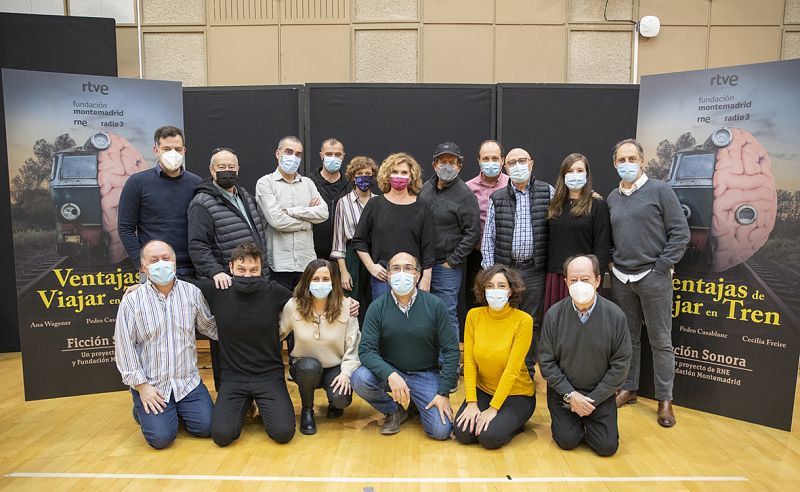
[(153, 203)]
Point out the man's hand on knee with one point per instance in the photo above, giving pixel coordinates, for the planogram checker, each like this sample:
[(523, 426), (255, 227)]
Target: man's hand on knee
[(152, 399)]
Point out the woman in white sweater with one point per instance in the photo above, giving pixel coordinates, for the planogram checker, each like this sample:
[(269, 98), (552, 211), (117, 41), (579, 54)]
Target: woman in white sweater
[(326, 338)]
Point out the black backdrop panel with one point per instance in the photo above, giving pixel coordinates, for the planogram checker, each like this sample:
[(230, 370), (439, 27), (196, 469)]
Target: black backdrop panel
[(46, 43), (553, 121), (250, 120), (377, 120)]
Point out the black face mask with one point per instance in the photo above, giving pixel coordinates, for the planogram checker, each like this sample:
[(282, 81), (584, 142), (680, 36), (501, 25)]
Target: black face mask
[(226, 179), (246, 285)]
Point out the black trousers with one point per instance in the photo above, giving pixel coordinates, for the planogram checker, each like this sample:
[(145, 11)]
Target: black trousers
[(598, 429), (235, 397), (509, 422), (473, 269), (309, 375)]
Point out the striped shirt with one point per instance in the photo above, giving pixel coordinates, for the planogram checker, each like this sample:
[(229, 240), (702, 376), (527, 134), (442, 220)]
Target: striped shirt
[(348, 211), (155, 341)]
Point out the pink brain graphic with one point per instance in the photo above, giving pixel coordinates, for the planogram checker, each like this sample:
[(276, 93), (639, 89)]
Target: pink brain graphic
[(745, 200), (115, 165)]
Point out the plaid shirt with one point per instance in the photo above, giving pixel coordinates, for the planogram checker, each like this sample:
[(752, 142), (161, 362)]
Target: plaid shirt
[(404, 309), (522, 239)]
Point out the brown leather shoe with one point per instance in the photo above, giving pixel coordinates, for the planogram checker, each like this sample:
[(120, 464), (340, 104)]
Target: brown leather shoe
[(666, 417), (625, 397)]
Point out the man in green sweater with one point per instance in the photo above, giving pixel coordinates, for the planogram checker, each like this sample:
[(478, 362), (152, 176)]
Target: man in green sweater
[(584, 354), (401, 339)]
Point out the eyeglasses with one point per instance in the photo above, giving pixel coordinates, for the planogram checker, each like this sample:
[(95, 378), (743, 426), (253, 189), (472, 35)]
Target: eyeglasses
[(521, 160), (299, 153), (402, 268)]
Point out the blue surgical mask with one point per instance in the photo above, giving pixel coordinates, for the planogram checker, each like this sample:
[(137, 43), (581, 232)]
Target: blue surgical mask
[(320, 290), (575, 181), (401, 283), (496, 298), (519, 173), (490, 169), (290, 163), (332, 164), (628, 171), (161, 272)]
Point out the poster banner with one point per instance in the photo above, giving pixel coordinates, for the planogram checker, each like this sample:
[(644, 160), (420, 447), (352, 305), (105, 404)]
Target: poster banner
[(73, 141), (726, 140)]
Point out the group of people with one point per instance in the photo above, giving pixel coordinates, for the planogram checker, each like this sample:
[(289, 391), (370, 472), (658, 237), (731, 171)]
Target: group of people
[(360, 269)]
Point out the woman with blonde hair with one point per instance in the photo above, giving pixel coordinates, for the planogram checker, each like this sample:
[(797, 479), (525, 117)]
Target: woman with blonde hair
[(579, 225), (326, 337), (395, 222)]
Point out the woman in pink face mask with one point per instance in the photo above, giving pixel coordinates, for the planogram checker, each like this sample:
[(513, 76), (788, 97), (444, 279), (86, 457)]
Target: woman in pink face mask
[(395, 222)]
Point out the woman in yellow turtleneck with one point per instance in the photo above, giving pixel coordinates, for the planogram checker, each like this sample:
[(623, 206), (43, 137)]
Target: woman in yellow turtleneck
[(500, 396)]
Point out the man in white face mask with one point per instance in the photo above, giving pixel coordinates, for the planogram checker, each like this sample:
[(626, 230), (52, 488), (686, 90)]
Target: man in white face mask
[(291, 203), (403, 335), (153, 203), (584, 354), (517, 234), (154, 340)]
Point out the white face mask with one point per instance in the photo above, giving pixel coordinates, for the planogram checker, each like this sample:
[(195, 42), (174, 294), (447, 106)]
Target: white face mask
[(496, 298), (172, 160), (575, 181), (581, 292)]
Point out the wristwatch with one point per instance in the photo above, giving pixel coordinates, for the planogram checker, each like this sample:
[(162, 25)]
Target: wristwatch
[(567, 397)]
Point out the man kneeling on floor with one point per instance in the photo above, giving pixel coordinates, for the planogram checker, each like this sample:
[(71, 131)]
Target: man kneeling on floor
[(584, 355), (404, 332), (248, 318), (156, 353)]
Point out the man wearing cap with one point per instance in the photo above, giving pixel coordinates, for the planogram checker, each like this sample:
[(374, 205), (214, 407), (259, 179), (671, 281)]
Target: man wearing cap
[(456, 221), (516, 234)]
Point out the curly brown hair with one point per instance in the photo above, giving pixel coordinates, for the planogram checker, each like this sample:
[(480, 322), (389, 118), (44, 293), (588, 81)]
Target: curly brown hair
[(359, 163), (414, 186), (515, 283)]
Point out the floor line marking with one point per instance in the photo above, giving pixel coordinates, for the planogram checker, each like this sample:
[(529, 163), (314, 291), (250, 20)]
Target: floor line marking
[(256, 478)]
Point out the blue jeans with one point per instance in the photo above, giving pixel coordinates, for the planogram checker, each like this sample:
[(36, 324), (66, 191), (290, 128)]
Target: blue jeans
[(446, 284), (379, 287), (422, 386), (160, 429)]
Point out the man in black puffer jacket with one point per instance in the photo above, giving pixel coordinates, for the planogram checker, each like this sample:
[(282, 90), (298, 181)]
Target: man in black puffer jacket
[(222, 215)]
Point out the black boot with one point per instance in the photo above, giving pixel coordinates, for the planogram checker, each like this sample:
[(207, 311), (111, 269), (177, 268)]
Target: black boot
[(333, 412), (307, 424)]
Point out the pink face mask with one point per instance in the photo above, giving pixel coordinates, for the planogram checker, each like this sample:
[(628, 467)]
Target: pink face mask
[(399, 182)]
